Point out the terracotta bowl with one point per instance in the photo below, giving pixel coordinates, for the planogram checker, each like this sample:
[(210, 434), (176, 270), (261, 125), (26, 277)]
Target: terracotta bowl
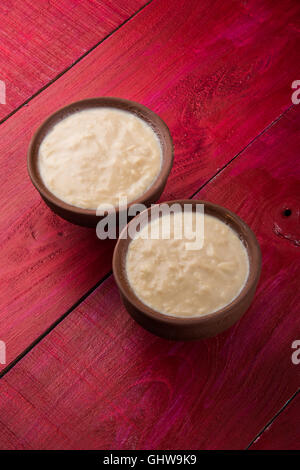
[(87, 217), (193, 327)]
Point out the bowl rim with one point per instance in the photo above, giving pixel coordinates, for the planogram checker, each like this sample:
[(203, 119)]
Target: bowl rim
[(134, 107), (248, 238)]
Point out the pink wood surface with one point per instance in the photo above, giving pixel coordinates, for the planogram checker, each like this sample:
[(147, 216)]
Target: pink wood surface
[(41, 38), (218, 74), (98, 380), (283, 433)]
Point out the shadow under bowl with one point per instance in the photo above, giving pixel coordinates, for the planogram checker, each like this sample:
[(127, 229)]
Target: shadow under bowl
[(190, 328), (88, 217)]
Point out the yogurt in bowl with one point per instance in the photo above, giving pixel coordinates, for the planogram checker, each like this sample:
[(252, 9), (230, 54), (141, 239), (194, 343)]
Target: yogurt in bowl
[(97, 151), (181, 282), (188, 294), (98, 155)]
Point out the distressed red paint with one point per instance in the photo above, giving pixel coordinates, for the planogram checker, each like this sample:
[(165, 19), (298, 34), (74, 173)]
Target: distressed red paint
[(215, 97), (219, 75), (116, 386)]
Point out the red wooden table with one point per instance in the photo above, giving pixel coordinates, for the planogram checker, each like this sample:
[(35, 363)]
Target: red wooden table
[(79, 372)]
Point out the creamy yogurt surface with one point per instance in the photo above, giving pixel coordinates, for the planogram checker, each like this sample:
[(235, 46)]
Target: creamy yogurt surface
[(99, 155), (179, 282)]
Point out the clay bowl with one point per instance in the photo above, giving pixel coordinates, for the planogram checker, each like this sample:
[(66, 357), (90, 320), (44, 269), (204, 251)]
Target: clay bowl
[(88, 217), (193, 327)]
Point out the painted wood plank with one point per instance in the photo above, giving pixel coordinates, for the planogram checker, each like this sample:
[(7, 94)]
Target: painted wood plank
[(217, 75), (98, 380), (41, 38), (283, 433)]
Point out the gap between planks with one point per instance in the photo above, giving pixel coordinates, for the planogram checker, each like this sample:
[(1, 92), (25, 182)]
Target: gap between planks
[(60, 74), (243, 149), (269, 423)]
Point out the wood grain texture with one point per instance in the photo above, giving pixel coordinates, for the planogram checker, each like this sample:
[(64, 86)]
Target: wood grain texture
[(217, 74), (98, 380), (284, 432), (41, 38)]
